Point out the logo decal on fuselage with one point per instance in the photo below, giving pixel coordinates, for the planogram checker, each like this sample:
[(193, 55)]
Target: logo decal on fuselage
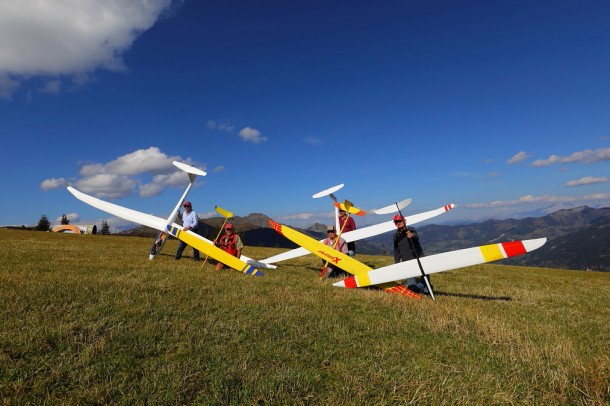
[(331, 258)]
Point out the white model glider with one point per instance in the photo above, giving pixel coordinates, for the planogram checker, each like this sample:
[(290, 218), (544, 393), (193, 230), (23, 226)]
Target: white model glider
[(243, 264), (386, 278)]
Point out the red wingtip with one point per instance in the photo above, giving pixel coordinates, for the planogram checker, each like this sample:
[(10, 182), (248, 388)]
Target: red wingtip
[(276, 226), (350, 282)]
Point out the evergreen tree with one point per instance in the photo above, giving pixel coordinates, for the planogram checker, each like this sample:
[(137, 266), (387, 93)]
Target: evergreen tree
[(64, 220), (43, 224), (105, 228)]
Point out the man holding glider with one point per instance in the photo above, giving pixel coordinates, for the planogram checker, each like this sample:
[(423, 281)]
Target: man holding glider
[(190, 221), (407, 247), (338, 243)]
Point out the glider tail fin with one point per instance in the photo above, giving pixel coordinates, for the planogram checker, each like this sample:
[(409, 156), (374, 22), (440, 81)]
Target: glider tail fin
[(192, 174)]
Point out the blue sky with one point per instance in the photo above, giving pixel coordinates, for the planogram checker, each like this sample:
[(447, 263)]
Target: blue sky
[(501, 107)]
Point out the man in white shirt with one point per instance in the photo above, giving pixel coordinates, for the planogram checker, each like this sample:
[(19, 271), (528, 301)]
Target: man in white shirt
[(190, 221)]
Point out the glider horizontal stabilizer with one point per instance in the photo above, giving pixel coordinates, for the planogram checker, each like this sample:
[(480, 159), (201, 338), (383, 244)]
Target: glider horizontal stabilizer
[(351, 209), (393, 208), (328, 191)]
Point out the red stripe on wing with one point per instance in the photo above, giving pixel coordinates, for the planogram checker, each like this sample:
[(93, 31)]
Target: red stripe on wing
[(513, 248)]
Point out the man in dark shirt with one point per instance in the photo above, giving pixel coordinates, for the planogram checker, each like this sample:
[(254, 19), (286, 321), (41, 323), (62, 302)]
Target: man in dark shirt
[(406, 248)]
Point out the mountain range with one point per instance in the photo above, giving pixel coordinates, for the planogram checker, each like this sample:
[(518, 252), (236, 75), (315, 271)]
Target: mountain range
[(578, 238)]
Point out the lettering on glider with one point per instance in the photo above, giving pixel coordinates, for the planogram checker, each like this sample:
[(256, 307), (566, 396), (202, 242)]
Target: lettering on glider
[(331, 258)]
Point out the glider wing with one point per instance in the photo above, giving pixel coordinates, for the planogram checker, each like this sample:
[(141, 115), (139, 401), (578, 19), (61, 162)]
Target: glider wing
[(443, 262)]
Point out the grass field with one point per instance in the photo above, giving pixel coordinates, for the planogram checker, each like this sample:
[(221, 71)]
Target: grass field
[(89, 319)]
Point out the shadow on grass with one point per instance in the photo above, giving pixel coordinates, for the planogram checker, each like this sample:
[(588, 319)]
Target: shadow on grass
[(478, 297)]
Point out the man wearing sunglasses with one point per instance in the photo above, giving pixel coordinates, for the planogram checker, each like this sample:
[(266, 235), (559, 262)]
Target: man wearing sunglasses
[(338, 243), (406, 248), (190, 221)]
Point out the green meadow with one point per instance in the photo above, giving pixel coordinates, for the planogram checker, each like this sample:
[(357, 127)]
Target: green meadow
[(88, 319)]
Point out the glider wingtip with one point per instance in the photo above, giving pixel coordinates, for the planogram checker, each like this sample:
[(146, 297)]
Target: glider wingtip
[(535, 244)]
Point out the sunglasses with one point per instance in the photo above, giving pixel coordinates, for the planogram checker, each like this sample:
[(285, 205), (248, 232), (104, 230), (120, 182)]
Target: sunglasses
[(228, 229), (329, 232), (398, 221)]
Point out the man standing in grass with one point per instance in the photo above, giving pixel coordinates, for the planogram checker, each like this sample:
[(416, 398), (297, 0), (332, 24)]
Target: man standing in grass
[(406, 248), (190, 221)]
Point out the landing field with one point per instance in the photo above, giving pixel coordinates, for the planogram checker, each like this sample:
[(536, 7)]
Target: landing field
[(89, 319)]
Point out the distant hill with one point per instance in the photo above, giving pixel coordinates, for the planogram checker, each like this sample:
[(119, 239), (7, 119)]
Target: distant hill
[(587, 249), (578, 237)]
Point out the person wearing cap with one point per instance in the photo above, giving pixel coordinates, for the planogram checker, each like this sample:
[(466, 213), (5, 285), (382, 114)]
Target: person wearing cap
[(350, 225), (333, 240), (229, 242), (190, 221), (407, 247)]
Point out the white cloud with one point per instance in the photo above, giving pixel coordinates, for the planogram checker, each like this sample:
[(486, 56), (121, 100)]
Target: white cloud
[(51, 87), (69, 38), (221, 126), (249, 134), (473, 175), (150, 189), (312, 141), (7, 86), (107, 186), (140, 161), (207, 215), (587, 156), (529, 206), (587, 180), (518, 158), (219, 168), (298, 216), (146, 171), (542, 199), (53, 183)]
